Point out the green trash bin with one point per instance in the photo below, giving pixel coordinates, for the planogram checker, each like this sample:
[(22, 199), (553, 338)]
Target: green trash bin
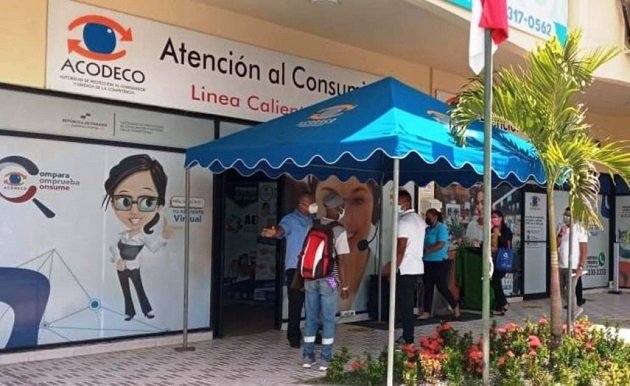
[(469, 274)]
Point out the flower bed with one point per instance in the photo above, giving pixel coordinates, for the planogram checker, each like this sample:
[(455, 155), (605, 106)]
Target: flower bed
[(519, 355)]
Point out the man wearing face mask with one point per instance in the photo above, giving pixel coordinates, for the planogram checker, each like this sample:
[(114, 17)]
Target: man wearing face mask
[(474, 230), (578, 238), (293, 227), (321, 294), (409, 252)]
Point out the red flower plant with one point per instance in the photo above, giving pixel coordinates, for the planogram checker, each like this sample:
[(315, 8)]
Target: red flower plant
[(534, 342), (446, 326)]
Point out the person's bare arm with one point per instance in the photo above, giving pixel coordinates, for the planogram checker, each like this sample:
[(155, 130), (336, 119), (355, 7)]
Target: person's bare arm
[(401, 247), (434, 247), (342, 261), (275, 232), (583, 256)]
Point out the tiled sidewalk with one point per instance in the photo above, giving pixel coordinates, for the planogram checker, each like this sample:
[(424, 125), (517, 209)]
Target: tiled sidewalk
[(261, 359)]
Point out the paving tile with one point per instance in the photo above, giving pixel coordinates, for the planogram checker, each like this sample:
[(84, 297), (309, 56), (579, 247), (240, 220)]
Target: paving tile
[(260, 359)]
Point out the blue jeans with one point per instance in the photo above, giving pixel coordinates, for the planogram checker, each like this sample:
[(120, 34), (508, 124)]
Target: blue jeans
[(319, 298)]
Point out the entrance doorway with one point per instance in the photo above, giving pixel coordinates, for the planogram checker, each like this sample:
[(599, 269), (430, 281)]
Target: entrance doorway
[(248, 285)]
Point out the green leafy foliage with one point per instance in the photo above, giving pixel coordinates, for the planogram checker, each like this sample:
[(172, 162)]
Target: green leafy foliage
[(539, 100), (519, 355)]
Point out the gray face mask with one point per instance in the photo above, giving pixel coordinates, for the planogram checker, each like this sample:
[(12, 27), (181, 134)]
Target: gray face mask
[(341, 214)]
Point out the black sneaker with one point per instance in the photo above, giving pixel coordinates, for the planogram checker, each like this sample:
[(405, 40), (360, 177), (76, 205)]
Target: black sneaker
[(401, 341)]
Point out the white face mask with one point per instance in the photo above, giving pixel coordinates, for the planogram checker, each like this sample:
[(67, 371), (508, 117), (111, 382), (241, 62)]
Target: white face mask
[(401, 209), (341, 214), (313, 208)]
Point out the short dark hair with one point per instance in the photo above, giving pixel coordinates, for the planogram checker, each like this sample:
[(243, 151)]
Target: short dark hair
[(135, 164), (404, 194), (436, 213)]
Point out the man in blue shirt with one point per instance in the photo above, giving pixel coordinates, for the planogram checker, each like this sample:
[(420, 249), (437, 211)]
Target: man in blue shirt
[(293, 228)]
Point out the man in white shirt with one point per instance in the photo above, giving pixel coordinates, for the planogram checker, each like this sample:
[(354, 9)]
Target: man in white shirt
[(409, 252), (474, 230), (578, 238)]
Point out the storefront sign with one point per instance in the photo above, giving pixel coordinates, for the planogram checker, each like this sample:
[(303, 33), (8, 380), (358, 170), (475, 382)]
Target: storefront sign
[(82, 119), (94, 51), (541, 18)]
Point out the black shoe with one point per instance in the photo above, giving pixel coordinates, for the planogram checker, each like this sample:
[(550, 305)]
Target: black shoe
[(149, 315), (295, 344), (128, 317), (402, 341), (580, 302)]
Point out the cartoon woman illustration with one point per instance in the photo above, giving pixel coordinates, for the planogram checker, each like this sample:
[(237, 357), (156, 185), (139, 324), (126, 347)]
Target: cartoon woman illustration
[(136, 190)]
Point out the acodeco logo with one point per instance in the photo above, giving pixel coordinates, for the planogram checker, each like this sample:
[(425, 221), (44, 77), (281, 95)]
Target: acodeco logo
[(326, 115), (16, 185), (100, 37)]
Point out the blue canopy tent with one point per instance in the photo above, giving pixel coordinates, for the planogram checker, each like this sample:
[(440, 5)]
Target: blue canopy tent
[(385, 131), (360, 134)]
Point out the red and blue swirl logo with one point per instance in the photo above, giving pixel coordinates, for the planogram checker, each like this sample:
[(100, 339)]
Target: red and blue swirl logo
[(101, 38)]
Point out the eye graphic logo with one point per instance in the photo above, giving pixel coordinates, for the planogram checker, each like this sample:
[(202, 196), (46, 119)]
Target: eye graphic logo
[(100, 37), (332, 112), (326, 115), (14, 187)]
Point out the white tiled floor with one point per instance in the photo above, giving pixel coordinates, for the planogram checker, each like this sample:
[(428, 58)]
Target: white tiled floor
[(260, 359)]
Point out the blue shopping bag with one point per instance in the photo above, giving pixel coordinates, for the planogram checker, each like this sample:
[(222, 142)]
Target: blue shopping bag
[(505, 260)]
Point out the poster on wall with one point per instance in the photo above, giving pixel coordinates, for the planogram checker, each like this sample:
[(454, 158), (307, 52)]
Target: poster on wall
[(598, 259), (535, 242), (463, 215), (92, 242), (241, 229), (250, 261), (99, 52), (362, 212), (622, 234)]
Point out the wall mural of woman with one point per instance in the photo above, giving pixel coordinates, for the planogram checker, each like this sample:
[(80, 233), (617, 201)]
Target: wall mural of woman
[(136, 190)]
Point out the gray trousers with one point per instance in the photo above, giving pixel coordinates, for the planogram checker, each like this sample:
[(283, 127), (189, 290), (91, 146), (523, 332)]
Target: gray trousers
[(564, 287)]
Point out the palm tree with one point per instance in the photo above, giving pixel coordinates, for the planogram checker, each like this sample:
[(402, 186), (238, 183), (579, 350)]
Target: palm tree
[(538, 100)]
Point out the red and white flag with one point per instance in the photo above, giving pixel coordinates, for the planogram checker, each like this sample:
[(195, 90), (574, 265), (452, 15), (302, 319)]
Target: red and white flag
[(486, 14)]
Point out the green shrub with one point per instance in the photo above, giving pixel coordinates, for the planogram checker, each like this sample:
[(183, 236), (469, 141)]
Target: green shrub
[(519, 355)]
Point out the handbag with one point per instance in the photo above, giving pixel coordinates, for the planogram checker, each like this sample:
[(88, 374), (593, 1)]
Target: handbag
[(505, 260)]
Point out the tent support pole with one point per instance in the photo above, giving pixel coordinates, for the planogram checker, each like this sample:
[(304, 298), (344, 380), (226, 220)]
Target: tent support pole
[(185, 346), (379, 260), (392, 280), (487, 208)]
